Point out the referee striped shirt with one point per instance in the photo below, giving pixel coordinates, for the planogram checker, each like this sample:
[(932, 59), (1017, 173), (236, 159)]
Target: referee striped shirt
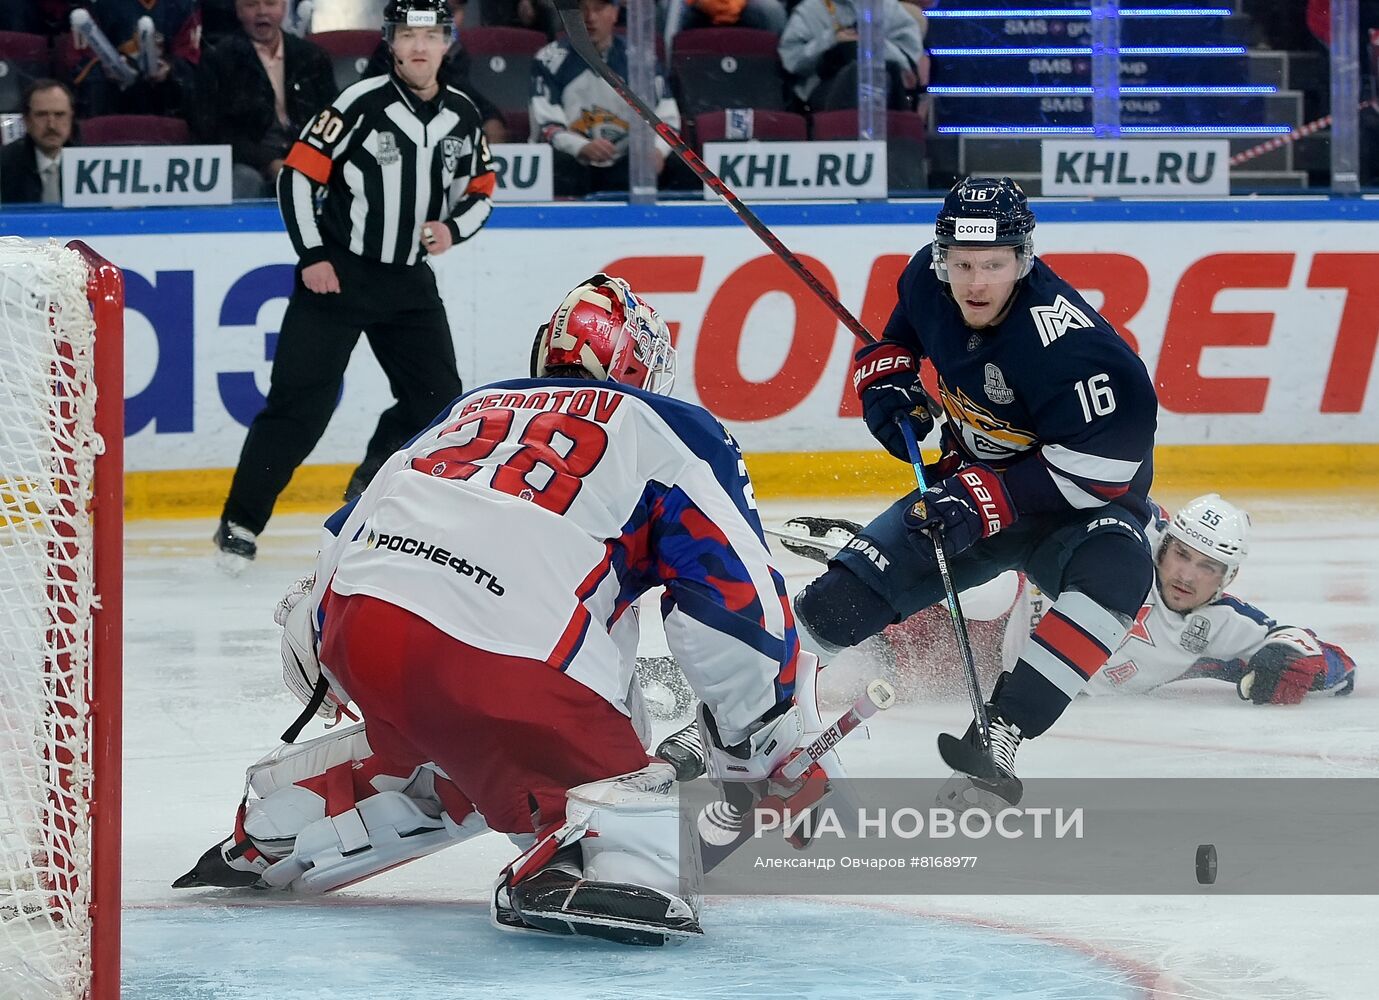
[(387, 161)]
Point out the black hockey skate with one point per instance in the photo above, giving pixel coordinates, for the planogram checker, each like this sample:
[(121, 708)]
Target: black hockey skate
[(816, 538), (984, 779), (559, 900), (217, 869), (684, 751), (236, 547)]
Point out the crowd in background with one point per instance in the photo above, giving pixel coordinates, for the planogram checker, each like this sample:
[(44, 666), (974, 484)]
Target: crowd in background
[(247, 73)]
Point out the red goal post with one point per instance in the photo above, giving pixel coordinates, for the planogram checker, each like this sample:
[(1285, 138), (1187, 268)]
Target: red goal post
[(61, 635)]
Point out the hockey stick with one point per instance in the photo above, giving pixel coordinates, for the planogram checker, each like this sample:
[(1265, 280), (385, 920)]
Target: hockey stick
[(1301, 132), (724, 820), (579, 39), (974, 690)]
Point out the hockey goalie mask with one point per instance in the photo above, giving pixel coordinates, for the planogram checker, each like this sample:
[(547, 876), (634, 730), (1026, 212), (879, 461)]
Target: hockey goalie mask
[(606, 330), (1216, 528)]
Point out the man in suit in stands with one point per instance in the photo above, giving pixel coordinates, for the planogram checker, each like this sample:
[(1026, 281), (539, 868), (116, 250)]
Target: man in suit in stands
[(31, 169), (257, 89)]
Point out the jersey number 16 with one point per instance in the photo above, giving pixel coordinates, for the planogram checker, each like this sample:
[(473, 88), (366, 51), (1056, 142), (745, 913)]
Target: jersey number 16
[(1096, 397)]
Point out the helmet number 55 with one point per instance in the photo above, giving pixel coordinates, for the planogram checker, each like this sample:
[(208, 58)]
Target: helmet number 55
[(1096, 397)]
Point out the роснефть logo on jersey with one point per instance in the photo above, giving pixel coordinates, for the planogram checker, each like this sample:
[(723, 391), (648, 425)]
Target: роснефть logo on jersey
[(429, 552)]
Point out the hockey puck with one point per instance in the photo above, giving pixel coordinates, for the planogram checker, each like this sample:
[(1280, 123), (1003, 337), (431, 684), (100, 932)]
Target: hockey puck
[(1206, 864)]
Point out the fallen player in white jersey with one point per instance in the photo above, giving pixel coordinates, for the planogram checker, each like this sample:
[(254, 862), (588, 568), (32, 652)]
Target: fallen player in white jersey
[(1191, 628), (1188, 627)]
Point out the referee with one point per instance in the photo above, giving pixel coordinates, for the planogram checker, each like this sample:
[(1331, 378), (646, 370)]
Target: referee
[(406, 175)]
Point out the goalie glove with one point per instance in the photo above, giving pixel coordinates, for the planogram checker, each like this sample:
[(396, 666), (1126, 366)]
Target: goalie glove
[(1292, 662), (301, 668)]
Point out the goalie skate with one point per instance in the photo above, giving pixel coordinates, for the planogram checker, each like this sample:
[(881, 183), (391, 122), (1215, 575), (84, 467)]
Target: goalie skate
[(224, 866), (816, 538), (559, 900)]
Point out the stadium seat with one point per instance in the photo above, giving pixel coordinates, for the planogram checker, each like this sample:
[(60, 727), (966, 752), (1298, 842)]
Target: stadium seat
[(500, 64), (350, 51), (715, 68), (134, 130), (23, 59), (739, 124), (905, 166)]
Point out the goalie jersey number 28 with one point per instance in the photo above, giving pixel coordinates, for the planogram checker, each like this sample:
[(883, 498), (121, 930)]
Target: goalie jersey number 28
[(531, 515)]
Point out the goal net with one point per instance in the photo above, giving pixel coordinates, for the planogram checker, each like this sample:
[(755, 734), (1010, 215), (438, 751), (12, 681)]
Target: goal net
[(60, 536)]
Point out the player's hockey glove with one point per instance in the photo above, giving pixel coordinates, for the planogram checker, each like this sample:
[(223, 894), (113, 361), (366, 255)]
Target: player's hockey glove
[(886, 379), (966, 507), (1290, 664)]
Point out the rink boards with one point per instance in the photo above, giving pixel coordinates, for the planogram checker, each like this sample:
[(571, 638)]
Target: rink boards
[(1258, 319)]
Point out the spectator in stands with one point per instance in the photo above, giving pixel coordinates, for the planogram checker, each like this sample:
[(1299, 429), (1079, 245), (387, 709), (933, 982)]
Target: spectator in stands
[(257, 90), (538, 15), (580, 115), (31, 168), (766, 15), (454, 73), (166, 89), (819, 48)]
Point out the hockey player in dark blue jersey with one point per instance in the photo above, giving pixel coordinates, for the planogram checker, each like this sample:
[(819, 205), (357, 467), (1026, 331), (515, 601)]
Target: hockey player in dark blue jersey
[(1047, 457)]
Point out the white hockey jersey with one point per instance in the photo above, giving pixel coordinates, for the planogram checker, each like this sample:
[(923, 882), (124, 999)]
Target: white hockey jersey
[(571, 104), (1216, 640), (532, 514), (1163, 645)]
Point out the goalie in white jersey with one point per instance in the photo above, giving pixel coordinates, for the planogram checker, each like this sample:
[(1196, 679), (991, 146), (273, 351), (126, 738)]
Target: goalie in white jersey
[(477, 603)]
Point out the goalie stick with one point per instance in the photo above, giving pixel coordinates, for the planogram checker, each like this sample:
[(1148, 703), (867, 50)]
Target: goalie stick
[(725, 819), (579, 39)]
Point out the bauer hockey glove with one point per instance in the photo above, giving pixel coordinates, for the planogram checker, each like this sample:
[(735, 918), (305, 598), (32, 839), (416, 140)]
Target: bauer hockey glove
[(966, 507), (1291, 663), (886, 379)]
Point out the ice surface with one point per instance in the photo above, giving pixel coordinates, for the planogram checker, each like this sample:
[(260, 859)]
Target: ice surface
[(204, 698)]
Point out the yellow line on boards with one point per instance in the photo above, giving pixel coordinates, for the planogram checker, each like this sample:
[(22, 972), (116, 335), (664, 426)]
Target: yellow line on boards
[(1180, 470)]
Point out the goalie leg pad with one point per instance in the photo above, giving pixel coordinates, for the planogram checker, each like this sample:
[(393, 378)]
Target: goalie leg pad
[(616, 872), (381, 832)]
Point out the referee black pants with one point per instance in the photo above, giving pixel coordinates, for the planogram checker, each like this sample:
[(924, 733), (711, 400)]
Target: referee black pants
[(399, 310)]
